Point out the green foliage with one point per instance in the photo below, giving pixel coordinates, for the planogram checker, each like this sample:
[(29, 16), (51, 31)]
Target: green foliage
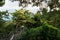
[(1, 3), (44, 32), (55, 18), (27, 19), (3, 30), (52, 18), (40, 27), (22, 17), (1, 18)]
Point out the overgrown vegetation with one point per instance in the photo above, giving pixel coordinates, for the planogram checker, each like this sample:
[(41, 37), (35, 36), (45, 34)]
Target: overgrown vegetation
[(39, 27), (44, 32), (34, 26)]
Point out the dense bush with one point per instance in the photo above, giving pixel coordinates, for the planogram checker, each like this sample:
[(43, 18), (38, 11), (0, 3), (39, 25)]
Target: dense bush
[(52, 17), (35, 23), (40, 27), (27, 19), (44, 32)]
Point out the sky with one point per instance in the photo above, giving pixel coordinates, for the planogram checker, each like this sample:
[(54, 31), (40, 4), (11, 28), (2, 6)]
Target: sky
[(9, 5), (12, 6)]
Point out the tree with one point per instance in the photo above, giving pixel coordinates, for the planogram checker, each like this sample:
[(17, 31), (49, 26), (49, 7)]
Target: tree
[(52, 17), (44, 32), (1, 2), (2, 21)]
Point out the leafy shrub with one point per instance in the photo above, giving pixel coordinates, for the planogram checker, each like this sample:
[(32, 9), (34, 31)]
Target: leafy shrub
[(44, 32)]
